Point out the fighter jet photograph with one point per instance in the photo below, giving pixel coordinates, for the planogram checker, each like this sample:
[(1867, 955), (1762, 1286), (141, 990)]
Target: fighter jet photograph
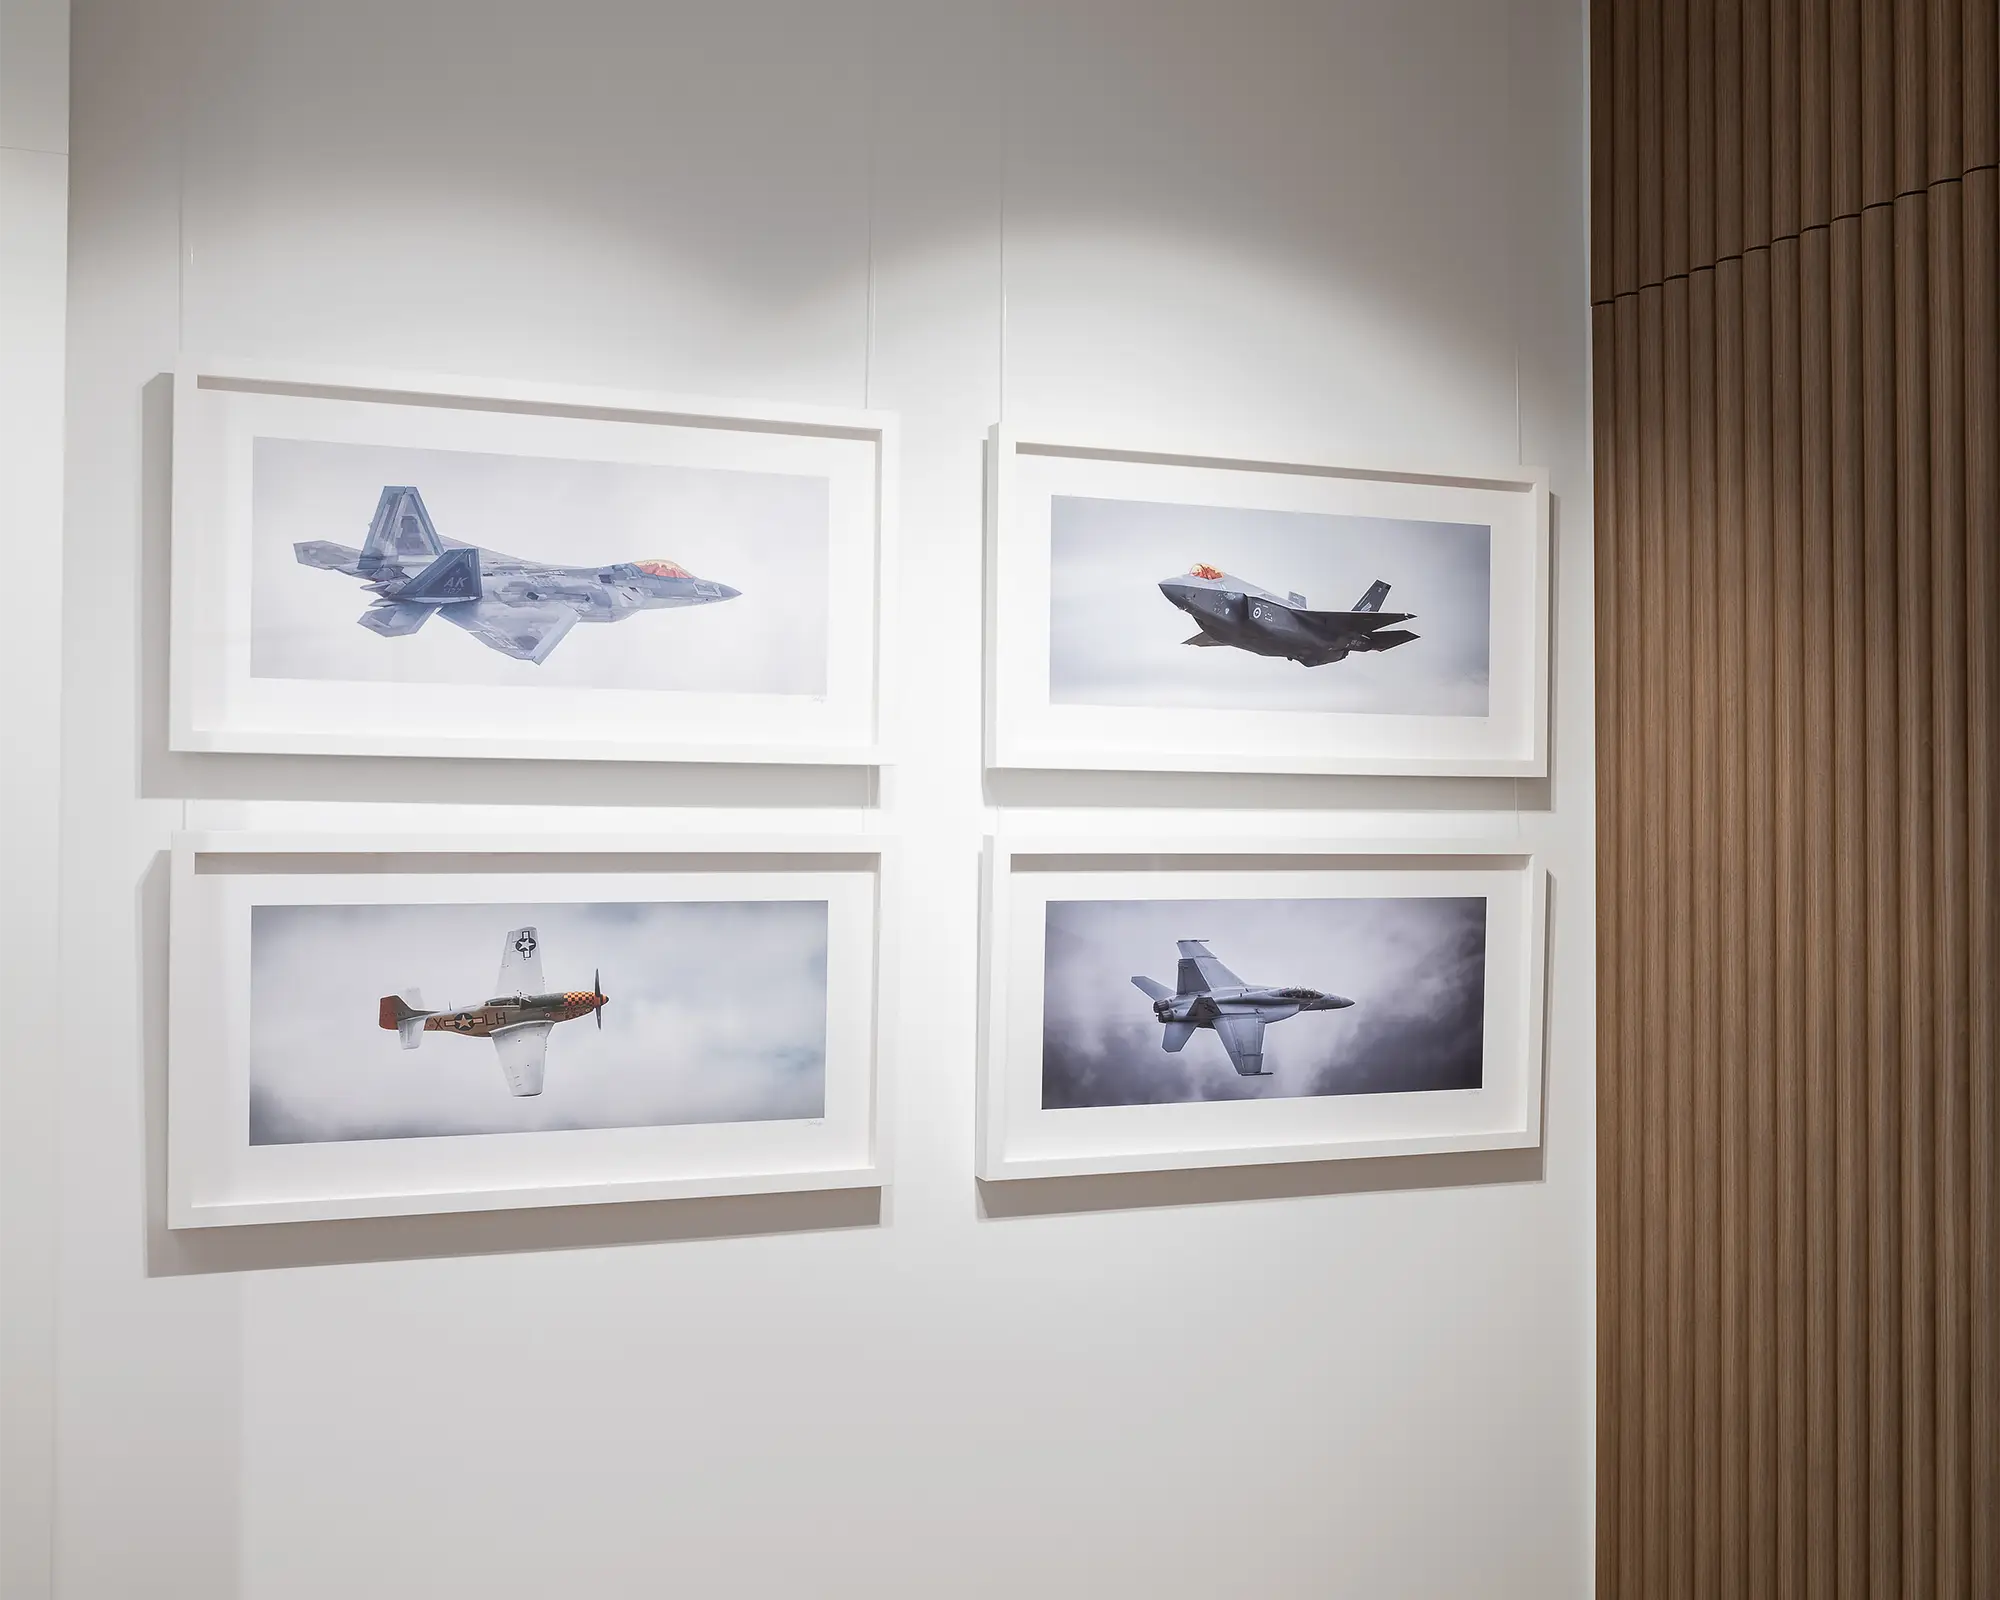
[(1409, 1014), (1232, 612), (1210, 638), (520, 608), (407, 565), (1206, 994), (721, 1016), (518, 1018)]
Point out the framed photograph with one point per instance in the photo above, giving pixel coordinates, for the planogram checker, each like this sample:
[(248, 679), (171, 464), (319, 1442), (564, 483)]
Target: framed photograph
[(1160, 610), (1150, 1006), (379, 564), (367, 1027)]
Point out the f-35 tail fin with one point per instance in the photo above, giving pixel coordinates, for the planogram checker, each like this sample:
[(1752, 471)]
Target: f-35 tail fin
[(1378, 591), (405, 1014), (401, 536)]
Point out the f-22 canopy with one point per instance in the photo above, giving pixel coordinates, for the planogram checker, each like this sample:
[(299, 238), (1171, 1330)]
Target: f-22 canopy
[(520, 608), (1206, 994)]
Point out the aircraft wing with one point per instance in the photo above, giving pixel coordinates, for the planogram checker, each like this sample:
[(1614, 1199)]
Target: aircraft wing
[(1339, 622), (333, 557), (1201, 972), (1242, 1035), (527, 633), (524, 1055), (520, 963)]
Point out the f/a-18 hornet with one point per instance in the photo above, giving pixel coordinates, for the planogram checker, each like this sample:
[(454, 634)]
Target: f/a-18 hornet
[(1231, 612), (520, 608), (517, 1019), (1206, 994)]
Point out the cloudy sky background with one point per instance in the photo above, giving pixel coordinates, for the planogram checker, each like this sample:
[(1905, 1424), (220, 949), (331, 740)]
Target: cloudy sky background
[(717, 1013), (1115, 640), (765, 533), (1415, 969)]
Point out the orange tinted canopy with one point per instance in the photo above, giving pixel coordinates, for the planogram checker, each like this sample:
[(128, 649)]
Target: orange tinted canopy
[(1204, 570), (663, 569)]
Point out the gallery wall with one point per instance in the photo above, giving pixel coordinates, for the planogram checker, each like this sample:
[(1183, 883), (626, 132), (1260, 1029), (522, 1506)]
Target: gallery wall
[(34, 201), (1353, 230)]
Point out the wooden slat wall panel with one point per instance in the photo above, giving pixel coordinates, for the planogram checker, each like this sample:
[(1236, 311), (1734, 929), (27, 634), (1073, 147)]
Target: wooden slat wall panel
[(1797, 365)]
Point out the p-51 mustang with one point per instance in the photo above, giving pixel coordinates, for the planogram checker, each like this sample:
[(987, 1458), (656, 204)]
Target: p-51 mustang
[(517, 1019), (520, 608), (1231, 612), (1207, 994)]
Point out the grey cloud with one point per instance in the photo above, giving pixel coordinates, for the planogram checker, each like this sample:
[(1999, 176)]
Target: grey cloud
[(717, 1014), (1415, 968)]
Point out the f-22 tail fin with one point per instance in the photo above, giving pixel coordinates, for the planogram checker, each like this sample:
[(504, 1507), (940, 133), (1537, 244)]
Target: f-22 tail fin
[(401, 536), (1378, 591)]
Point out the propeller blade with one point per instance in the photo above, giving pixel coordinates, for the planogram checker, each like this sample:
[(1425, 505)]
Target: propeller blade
[(597, 996)]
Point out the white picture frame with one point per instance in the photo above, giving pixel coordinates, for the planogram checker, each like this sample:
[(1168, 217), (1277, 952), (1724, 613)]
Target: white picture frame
[(218, 701), (1019, 1138), (217, 1176), (1028, 725)]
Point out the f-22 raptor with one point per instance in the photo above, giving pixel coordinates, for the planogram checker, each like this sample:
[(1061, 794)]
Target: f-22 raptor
[(517, 1019), (520, 608), (1231, 612), (1206, 994)]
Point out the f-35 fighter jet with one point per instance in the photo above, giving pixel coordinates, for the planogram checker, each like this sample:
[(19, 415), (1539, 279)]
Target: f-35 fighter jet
[(1207, 994), (517, 1019), (1231, 612), (520, 608)]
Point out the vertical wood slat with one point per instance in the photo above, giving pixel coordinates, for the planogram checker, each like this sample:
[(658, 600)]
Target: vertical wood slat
[(1914, 853), (1732, 879), (1604, 443), (1799, 439), (1787, 1096), (1819, 970), (1850, 636), (1705, 955), (1950, 1069), (1981, 421), (1677, 915), (1884, 1333)]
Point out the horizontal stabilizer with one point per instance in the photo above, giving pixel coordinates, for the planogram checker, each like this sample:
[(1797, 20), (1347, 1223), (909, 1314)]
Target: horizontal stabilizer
[(1203, 641), (1175, 1035), (527, 633), (405, 1013), (332, 557), (1389, 638), (1152, 988), (394, 618)]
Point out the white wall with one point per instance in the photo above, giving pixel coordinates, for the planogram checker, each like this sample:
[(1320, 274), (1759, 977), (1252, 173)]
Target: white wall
[(34, 204), (1357, 225)]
